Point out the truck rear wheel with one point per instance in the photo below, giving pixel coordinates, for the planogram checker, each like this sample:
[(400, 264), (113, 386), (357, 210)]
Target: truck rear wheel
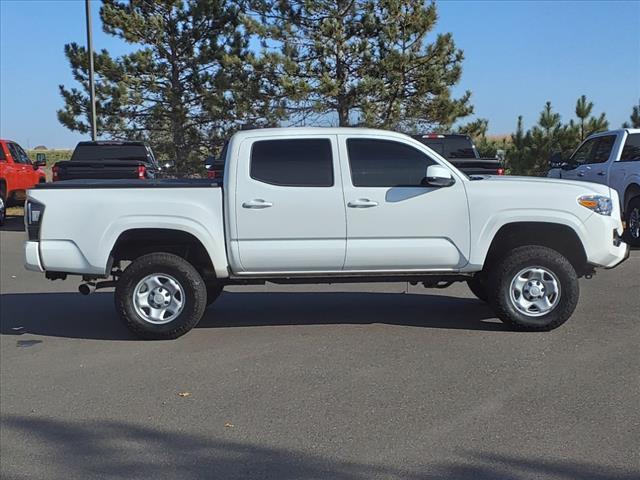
[(533, 288), (160, 296), (213, 292)]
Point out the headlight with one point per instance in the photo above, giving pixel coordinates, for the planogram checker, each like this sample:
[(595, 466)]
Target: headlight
[(33, 212), (598, 203)]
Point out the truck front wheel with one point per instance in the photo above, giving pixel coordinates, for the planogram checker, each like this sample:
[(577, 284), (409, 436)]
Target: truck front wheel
[(533, 288), (160, 296), (477, 285)]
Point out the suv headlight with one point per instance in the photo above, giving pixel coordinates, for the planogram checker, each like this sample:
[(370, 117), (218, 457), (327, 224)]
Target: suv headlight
[(598, 203), (33, 212)]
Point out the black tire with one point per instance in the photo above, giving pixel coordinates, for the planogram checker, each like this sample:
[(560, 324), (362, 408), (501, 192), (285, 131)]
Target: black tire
[(194, 301), (506, 269), (213, 292), (3, 202), (3, 209), (632, 217), (478, 287)]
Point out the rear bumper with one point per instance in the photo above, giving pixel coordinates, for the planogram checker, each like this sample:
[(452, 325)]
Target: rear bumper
[(57, 256), (32, 257)]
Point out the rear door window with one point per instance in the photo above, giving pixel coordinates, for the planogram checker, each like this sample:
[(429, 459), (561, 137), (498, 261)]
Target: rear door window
[(304, 162)]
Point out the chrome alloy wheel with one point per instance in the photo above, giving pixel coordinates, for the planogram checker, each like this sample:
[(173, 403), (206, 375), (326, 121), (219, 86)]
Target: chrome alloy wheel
[(535, 291), (158, 298), (634, 223), (3, 209)]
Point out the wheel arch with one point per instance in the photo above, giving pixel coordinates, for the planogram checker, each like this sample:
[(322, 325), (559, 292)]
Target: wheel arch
[(135, 242), (557, 236), (632, 191)]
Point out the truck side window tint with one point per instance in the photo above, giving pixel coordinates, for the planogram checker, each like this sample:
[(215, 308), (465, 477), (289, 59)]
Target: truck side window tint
[(24, 158), (583, 154), (293, 163), (3, 158), (631, 150), (13, 150), (385, 163), (602, 150)]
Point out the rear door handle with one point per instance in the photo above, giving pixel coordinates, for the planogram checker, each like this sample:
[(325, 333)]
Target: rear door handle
[(362, 203), (581, 174), (602, 173), (257, 203)]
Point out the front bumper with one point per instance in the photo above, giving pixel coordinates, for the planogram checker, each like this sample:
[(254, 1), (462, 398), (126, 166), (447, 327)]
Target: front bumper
[(605, 247)]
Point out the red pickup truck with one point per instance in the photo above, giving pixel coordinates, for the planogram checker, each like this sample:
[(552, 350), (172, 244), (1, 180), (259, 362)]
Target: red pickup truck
[(17, 174)]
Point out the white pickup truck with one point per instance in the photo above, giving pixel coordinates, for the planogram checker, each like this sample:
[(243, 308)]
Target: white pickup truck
[(325, 205), (613, 159)]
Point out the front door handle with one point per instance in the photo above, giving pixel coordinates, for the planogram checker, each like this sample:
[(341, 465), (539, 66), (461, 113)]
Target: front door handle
[(257, 203), (362, 203), (602, 173), (581, 174)]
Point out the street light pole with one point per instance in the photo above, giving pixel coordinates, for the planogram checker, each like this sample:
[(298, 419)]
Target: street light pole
[(92, 90)]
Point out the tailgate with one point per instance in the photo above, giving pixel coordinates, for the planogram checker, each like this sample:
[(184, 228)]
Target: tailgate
[(73, 170)]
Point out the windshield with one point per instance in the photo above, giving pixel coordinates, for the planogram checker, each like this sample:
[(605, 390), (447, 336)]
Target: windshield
[(452, 147)]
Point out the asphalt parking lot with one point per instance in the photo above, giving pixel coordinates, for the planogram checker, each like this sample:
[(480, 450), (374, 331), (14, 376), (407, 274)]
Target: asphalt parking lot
[(344, 382)]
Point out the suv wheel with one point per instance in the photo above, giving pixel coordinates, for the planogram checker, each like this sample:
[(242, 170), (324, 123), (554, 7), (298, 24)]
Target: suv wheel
[(534, 288), (632, 219), (160, 296)]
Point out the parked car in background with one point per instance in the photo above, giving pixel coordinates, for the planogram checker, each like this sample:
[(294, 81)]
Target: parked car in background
[(325, 205), (109, 160), (462, 153), (17, 174), (613, 159)]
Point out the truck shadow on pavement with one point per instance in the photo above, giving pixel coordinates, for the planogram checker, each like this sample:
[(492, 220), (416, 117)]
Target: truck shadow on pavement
[(74, 316), (119, 449), (13, 223)]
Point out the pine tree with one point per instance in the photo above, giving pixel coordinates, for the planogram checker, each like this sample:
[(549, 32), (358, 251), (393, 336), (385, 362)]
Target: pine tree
[(635, 118), (366, 62), (192, 81), (583, 110)]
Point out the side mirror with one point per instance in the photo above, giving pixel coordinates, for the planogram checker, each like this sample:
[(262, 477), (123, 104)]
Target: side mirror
[(556, 161), (209, 161), (41, 160), (438, 176)]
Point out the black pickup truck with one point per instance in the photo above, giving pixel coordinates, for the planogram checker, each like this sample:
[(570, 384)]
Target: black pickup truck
[(461, 152), (108, 160)]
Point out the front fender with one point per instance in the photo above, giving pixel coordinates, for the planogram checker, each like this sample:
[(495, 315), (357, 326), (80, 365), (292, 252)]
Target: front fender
[(487, 231)]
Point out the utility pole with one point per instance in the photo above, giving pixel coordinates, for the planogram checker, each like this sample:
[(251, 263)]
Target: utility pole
[(92, 90)]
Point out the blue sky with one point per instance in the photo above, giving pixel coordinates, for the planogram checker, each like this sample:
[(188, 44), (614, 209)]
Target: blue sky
[(518, 55)]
